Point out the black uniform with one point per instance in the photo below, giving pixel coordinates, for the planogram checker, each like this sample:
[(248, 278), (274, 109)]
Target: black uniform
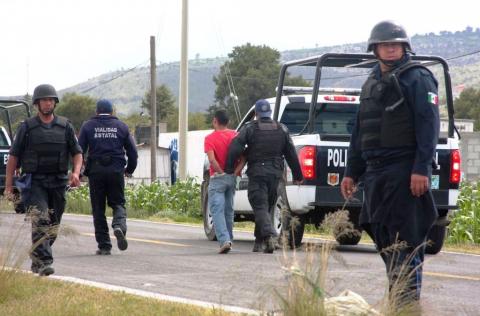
[(105, 139), (43, 151), (391, 141), (268, 144)]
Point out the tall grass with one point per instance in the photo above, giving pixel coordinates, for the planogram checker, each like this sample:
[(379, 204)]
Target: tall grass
[(465, 225), (306, 292)]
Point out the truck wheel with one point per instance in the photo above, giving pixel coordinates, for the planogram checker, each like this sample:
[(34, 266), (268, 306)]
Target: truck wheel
[(349, 233), (294, 227), (348, 239), (277, 220), (291, 226), (436, 236), (207, 217)]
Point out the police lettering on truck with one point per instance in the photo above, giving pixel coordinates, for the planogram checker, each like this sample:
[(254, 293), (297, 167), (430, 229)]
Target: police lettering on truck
[(336, 157)]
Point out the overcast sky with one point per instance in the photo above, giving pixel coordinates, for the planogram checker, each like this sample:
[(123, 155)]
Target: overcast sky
[(65, 42)]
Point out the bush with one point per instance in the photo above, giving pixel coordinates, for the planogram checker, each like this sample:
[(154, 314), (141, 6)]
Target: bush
[(465, 225), (78, 201), (180, 201)]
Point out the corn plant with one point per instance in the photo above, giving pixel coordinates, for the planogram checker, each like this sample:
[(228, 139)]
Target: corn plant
[(465, 225), (178, 202)]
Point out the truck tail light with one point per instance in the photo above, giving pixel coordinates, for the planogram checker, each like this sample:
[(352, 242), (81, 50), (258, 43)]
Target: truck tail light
[(307, 156), (455, 160)]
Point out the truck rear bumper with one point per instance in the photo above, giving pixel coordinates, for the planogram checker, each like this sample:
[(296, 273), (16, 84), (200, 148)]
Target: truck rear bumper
[(332, 197), (299, 197)]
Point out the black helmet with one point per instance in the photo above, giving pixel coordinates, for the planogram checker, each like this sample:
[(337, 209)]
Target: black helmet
[(388, 32), (44, 91)]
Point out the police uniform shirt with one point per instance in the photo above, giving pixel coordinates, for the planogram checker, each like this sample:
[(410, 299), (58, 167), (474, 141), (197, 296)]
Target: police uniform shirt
[(421, 93), (20, 139), (107, 136), (246, 136)]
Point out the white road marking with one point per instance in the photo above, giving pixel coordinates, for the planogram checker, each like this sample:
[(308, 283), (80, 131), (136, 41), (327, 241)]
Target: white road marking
[(163, 297)]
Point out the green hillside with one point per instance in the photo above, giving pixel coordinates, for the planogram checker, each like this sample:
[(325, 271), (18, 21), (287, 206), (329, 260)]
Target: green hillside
[(129, 87)]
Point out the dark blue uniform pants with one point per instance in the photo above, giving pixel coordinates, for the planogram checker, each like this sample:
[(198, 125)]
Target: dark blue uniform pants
[(107, 187), (404, 264), (46, 206), (262, 195), (398, 222)]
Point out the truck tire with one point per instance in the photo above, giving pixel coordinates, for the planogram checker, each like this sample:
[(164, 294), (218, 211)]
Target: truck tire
[(292, 225), (344, 234), (436, 236), (348, 239), (207, 217)]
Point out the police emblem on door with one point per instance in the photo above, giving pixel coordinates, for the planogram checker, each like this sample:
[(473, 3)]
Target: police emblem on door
[(333, 179)]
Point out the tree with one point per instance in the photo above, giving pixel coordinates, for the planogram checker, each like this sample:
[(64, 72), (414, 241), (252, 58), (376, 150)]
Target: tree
[(165, 102), (254, 72), (467, 106), (136, 119), (196, 121), (77, 108)]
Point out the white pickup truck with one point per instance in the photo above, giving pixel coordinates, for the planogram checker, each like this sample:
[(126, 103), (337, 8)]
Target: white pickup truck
[(320, 121)]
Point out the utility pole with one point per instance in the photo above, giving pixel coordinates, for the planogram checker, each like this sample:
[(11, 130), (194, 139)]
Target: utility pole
[(183, 106), (153, 111)]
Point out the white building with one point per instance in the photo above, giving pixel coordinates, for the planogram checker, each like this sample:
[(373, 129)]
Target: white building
[(195, 156)]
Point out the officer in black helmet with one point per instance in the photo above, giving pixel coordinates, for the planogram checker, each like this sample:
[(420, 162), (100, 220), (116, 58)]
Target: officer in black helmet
[(392, 148), (42, 146), (268, 143)]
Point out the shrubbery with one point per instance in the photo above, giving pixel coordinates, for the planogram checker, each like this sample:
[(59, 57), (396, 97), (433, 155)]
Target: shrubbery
[(465, 225), (145, 200)]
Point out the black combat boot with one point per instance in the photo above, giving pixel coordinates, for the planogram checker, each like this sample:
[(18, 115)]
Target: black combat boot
[(269, 245), (257, 246)]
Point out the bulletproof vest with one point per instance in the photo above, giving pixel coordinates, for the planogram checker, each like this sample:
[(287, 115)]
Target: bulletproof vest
[(267, 142), (386, 119), (46, 147)]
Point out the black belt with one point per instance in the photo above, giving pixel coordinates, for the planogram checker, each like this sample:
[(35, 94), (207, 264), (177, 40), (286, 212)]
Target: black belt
[(387, 160)]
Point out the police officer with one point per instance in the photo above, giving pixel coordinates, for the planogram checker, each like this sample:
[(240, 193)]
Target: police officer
[(42, 146), (105, 140), (391, 150), (268, 144)]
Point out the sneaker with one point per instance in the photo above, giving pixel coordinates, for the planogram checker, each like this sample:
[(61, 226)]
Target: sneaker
[(226, 247), (103, 252), (46, 270), (257, 246), (269, 245), (121, 240)]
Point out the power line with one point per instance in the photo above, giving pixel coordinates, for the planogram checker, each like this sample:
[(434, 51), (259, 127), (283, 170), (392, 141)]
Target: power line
[(101, 83)]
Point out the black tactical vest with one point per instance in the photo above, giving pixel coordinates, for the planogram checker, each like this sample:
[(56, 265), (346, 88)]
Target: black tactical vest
[(386, 119), (267, 143), (46, 147)]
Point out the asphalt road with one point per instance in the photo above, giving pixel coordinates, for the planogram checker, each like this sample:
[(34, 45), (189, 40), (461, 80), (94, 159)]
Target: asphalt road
[(178, 260)]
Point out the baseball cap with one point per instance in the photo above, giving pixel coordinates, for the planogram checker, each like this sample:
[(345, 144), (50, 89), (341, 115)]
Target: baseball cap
[(262, 108), (104, 106)]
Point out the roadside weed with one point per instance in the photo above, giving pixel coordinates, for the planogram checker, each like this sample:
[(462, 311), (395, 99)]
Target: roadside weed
[(465, 225), (180, 201)]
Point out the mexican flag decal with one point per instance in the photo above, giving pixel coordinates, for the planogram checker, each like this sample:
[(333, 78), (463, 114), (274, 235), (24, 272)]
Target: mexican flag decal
[(432, 98)]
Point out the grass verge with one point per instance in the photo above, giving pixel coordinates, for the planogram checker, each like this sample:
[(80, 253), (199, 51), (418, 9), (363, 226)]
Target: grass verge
[(25, 294)]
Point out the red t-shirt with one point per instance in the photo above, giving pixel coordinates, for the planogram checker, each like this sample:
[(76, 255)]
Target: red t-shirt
[(219, 141)]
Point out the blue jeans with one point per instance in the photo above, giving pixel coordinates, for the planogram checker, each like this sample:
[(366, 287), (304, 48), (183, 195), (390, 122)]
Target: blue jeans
[(221, 190)]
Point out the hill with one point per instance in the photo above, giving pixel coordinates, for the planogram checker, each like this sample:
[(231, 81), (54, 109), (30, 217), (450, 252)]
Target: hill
[(127, 87)]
